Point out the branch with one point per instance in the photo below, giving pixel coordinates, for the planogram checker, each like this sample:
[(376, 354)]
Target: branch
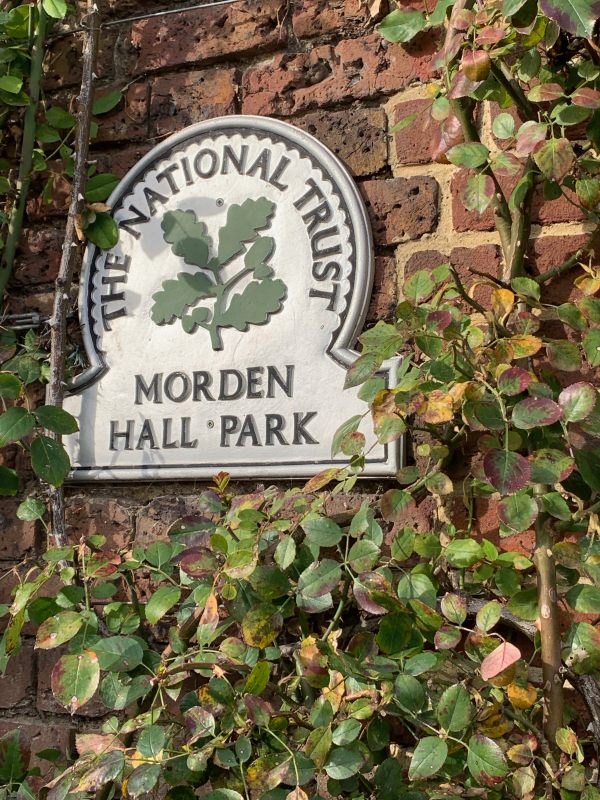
[(570, 263), (15, 224), (520, 229), (465, 296), (70, 250), (513, 89), (500, 207), (549, 627)]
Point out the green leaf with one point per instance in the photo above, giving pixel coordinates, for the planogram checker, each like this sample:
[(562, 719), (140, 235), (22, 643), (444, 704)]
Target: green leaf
[(100, 187), (285, 552), (402, 26), (577, 401), (534, 412), (526, 287), (428, 758), (75, 679), (470, 154), (574, 16), (57, 630), (514, 381), (49, 460), (554, 158), (503, 125), (152, 741), (343, 763), (188, 237), (321, 530), (10, 386), (454, 709), (255, 304), (563, 355), (11, 84), (584, 599), (59, 118), (258, 255), (486, 760), (350, 426), (107, 102), (463, 552), (395, 633), (118, 691), (319, 578), (488, 616), (346, 732), (518, 511), (56, 419), (143, 779), (258, 679), (588, 192), (361, 370), (572, 316), (418, 287), (177, 294), (588, 464), (261, 626), (161, 601), (9, 482), (103, 231), (403, 123), (554, 504), (478, 192), (591, 345), (570, 115), (55, 8), (15, 424), (524, 604), (242, 226), (119, 653)]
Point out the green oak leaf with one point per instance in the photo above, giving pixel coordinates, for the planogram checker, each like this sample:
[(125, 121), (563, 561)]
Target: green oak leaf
[(188, 237), (242, 226), (178, 294), (254, 305)]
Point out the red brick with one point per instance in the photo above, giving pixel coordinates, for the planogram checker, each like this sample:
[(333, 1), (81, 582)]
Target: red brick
[(64, 57), (401, 208), (551, 251), (38, 256), (42, 734), (185, 98), (16, 684), (17, 537), (543, 212), (318, 17), (385, 290), (129, 120), (155, 519), (413, 144), (40, 302), (120, 161), (89, 516), (352, 70), (199, 36), (356, 135)]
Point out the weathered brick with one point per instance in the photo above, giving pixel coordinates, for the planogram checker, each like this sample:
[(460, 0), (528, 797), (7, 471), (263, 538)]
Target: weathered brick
[(356, 135), (385, 290), (16, 684), (17, 537), (120, 161), (87, 516), (486, 258), (352, 70), (201, 35), (318, 17), (38, 256), (64, 57), (543, 212), (551, 251), (39, 735), (40, 302), (185, 98), (401, 208), (154, 520), (129, 120), (413, 144)]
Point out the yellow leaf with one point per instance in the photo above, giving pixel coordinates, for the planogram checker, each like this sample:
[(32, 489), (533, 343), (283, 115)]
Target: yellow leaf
[(335, 691), (587, 284), (503, 301), (297, 794), (520, 754), (495, 726), (525, 345), (522, 697), (437, 408)]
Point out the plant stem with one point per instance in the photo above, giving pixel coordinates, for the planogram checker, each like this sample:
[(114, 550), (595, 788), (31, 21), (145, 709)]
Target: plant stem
[(571, 262), (512, 87), (70, 249), (15, 224), (549, 626)]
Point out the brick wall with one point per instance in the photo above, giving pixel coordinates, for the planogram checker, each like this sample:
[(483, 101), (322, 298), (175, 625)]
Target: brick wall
[(320, 65)]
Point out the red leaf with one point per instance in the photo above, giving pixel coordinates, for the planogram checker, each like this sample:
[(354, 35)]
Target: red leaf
[(499, 659), (506, 471), (586, 97)]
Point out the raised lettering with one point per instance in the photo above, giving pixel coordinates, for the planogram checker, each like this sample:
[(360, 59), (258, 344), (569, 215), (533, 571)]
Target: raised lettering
[(152, 392)]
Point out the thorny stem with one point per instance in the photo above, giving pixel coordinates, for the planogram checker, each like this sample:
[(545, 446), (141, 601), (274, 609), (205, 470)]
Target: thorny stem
[(15, 224), (549, 626), (70, 250)]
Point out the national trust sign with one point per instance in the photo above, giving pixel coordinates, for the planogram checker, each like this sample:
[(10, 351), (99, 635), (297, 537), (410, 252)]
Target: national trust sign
[(219, 329)]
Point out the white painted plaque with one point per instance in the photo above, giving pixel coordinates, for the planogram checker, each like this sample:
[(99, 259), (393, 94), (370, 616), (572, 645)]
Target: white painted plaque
[(219, 329)]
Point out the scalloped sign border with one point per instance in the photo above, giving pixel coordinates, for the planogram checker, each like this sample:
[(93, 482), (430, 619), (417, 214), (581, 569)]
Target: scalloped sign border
[(220, 327)]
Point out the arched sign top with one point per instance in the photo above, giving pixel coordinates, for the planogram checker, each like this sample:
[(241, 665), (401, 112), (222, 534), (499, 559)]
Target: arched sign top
[(220, 326)]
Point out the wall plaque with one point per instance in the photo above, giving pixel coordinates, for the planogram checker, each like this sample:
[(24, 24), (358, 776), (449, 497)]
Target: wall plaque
[(219, 329)]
